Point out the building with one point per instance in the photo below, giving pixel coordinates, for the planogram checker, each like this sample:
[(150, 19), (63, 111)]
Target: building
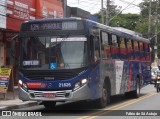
[(77, 12), (12, 14)]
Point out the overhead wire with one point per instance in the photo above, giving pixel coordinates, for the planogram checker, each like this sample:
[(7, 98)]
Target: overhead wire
[(92, 3), (126, 2), (122, 10), (93, 6), (82, 2)]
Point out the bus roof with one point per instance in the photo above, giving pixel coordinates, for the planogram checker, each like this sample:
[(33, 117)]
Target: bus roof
[(116, 31)]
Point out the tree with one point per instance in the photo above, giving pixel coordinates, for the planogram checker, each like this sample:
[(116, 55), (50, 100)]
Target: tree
[(127, 21), (144, 6), (114, 9), (117, 19), (142, 26)]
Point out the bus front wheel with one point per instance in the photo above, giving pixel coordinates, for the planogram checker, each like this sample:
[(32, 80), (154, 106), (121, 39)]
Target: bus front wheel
[(49, 105), (102, 102)]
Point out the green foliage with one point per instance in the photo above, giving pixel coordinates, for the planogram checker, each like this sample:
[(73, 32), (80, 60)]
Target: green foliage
[(142, 27), (144, 6), (127, 21)]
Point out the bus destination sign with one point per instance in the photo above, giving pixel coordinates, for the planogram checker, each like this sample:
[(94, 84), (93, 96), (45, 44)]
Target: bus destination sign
[(53, 26)]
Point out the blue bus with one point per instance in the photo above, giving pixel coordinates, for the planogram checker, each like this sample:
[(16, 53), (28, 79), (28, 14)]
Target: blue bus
[(74, 59)]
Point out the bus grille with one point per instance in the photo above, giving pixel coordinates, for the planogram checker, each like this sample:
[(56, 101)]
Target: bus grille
[(50, 75), (39, 94)]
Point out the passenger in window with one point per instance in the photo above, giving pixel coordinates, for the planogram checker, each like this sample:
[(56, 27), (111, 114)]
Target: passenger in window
[(61, 65), (96, 57)]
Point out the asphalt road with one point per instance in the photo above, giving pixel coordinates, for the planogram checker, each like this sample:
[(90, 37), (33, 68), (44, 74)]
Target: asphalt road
[(145, 107)]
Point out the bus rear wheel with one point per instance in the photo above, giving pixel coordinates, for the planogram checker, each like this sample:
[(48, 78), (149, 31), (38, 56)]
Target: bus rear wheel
[(49, 105), (158, 87), (102, 102), (136, 92)]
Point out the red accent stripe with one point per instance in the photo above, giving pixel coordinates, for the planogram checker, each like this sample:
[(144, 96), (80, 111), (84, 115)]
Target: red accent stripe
[(147, 58), (115, 50), (130, 78), (108, 51), (123, 51), (34, 85)]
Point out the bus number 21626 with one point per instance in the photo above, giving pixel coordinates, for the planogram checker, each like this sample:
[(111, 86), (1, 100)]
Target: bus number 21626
[(64, 85)]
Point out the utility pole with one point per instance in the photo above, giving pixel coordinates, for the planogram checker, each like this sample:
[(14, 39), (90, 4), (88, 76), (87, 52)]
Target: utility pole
[(64, 8), (102, 15), (156, 34), (149, 21), (108, 13)]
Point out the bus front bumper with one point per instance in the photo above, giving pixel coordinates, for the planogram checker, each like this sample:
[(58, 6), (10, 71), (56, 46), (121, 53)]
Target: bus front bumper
[(82, 93)]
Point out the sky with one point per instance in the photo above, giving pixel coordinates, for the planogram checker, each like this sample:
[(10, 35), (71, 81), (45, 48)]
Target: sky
[(93, 6)]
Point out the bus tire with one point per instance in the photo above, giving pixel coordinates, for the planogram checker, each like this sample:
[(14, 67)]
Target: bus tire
[(158, 88), (102, 102), (49, 105), (135, 93)]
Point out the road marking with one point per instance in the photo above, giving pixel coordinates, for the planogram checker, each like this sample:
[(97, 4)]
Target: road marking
[(116, 107)]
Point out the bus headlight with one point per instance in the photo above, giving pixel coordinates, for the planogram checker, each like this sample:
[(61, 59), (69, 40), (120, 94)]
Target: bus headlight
[(80, 83), (77, 85), (20, 82), (83, 81), (24, 86)]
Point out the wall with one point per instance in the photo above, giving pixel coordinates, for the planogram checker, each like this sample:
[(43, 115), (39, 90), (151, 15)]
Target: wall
[(19, 11), (3, 13), (49, 8), (1, 54), (14, 12)]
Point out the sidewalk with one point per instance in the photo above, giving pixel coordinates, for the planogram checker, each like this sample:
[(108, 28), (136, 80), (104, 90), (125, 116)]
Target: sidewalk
[(10, 103)]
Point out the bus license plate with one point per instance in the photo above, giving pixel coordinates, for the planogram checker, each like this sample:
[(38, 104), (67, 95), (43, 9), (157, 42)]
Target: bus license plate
[(49, 95)]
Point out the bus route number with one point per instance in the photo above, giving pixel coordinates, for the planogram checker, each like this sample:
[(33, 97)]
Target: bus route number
[(64, 85)]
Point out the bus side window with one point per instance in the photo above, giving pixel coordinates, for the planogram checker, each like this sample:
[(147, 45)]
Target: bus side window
[(115, 47), (96, 49), (105, 45), (123, 49), (130, 49), (142, 51), (92, 47), (147, 50), (136, 50)]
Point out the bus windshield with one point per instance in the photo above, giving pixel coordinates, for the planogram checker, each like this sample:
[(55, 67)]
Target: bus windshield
[(51, 53)]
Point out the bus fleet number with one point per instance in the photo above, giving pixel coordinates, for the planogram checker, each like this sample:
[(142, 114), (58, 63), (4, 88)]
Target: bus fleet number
[(64, 85)]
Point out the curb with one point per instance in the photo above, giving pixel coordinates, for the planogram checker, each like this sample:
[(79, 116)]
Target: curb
[(12, 107)]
